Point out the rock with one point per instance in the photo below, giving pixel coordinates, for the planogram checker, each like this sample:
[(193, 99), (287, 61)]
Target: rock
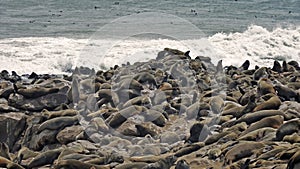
[(49, 102), (11, 125)]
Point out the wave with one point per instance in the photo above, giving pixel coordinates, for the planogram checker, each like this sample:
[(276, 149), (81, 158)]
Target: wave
[(60, 55)]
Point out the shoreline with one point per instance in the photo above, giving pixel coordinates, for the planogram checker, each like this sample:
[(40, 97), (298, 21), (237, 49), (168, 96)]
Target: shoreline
[(172, 111)]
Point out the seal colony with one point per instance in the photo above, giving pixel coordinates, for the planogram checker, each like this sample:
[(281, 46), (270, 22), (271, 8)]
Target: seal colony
[(170, 112)]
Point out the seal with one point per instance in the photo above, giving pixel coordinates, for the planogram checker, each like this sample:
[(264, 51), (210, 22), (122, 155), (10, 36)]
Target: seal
[(44, 158), (245, 65), (256, 116), (265, 86), (277, 67), (216, 104), (198, 132), (58, 123), (182, 164), (164, 163), (75, 164), (294, 138), (260, 73), (273, 121), (53, 114), (286, 93), (242, 150), (4, 151), (258, 134), (273, 103), (294, 161), (287, 128), (4, 162)]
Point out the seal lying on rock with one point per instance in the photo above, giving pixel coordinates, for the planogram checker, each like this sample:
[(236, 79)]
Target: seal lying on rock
[(58, 123), (75, 164), (288, 128), (294, 161), (4, 162), (242, 150), (47, 157), (164, 163)]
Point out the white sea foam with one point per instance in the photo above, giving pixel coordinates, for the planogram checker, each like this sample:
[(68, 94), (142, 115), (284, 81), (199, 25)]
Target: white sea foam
[(60, 55)]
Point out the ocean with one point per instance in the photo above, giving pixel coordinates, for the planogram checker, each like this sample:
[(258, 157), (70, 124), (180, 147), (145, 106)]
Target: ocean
[(55, 36)]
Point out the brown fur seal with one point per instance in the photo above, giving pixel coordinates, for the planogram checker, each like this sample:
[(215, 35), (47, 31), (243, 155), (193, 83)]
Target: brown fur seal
[(245, 65), (260, 73), (53, 114), (44, 158), (4, 150), (198, 132), (294, 162), (36, 91), (265, 86), (58, 123), (273, 121), (287, 128), (286, 93), (256, 116), (216, 104), (75, 164), (277, 67), (164, 163), (242, 150), (4, 162), (182, 164), (294, 138), (188, 149), (273, 103), (258, 134)]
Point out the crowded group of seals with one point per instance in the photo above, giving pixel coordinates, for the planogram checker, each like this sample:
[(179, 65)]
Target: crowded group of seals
[(170, 112)]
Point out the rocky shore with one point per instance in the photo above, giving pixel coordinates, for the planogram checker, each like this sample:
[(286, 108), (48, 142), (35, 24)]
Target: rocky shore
[(170, 112)]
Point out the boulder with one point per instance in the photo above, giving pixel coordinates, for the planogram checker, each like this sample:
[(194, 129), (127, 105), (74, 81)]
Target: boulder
[(11, 125), (49, 102)]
